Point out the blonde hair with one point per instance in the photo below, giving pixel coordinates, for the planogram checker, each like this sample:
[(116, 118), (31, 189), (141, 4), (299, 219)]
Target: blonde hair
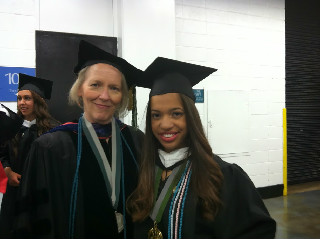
[(74, 99)]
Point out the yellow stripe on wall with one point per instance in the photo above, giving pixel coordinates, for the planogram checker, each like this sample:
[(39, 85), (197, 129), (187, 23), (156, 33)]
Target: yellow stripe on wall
[(285, 171)]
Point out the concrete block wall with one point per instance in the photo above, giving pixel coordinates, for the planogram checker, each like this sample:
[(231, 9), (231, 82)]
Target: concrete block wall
[(20, 19), (147, 31), (245, 41), (18, 23)]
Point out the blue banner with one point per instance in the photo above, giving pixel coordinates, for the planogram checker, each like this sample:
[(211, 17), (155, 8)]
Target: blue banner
[(9, 81), (199, 94)]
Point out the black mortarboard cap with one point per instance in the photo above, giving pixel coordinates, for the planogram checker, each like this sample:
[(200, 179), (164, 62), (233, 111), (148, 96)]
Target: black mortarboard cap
[(90, 54), (9, 125), (171, 76), (40, 86)]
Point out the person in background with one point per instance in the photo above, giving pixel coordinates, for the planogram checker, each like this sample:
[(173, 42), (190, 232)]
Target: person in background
[(184, 189), (10, 124), (31, 105), (3, 182), (82, 172)]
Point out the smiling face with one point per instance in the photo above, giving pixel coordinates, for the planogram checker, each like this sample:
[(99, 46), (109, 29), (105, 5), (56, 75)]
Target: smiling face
[(101, 93), (26, 104), (168, 121)]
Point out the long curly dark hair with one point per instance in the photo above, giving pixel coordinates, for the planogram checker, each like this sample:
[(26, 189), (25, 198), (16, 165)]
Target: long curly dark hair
[(44, 121), (205, 171), (43, 117)]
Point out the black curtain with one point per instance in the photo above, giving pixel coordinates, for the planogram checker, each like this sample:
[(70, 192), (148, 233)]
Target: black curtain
[(303, 90), (56, 56)]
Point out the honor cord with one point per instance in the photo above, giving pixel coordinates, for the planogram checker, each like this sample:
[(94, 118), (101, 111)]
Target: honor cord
[(73, 201)]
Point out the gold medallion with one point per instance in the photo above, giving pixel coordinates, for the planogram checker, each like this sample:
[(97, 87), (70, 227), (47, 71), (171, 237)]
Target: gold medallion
[(174, 189), (155, 233)]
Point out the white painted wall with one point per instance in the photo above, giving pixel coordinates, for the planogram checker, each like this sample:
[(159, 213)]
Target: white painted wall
[(17, 41), (19, 19), (243, 39), (147, 31), (92, 17)]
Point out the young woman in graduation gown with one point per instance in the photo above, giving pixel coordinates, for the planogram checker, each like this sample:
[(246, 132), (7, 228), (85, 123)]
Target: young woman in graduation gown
[(31, 105), (184, 190), (79, 175)]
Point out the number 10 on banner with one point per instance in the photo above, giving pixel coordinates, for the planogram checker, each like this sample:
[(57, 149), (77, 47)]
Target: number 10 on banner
[(13, 78), (9, 80)]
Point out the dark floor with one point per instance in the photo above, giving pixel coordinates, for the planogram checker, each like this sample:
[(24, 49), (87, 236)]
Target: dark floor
[(297, 214)]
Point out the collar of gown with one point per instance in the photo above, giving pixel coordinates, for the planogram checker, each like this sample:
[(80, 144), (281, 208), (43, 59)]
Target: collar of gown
[(174, 157), (28, 124), (103, 131)]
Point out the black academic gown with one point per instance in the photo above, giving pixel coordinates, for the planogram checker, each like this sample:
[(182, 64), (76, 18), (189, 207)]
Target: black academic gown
[(25, 138), (9, 125), (243, 214), (47, 185)]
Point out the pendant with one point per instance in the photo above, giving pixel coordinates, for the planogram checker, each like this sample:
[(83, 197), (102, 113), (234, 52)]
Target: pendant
[(174, 189), (155, 233), (119, 218)]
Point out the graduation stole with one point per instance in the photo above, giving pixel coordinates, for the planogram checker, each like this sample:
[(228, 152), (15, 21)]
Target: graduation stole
[(111, 177), (180, 175)]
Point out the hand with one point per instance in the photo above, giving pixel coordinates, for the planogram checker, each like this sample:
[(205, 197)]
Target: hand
[(13, 177)]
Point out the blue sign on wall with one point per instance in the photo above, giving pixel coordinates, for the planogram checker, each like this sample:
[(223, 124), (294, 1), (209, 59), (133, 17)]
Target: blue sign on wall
[(9, 80), (199, 94)]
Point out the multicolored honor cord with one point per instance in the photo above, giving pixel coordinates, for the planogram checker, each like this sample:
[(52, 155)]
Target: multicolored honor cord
[(177, 205), (176, 177)]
